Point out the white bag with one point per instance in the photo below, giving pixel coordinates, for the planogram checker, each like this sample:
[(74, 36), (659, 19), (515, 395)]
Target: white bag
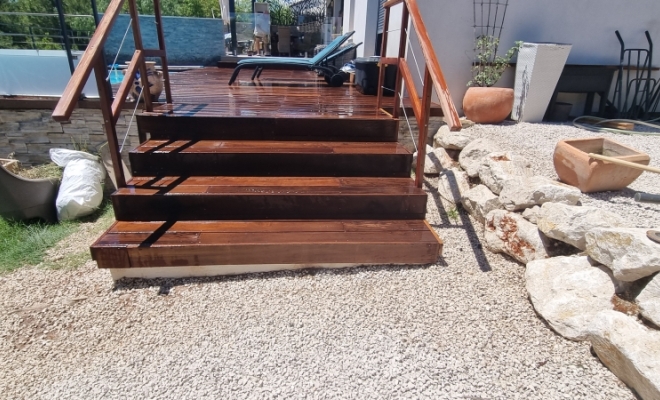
[(81, 191)]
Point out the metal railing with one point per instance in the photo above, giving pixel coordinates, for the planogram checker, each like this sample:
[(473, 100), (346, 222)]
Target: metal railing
[(433, 79), (92, 59)]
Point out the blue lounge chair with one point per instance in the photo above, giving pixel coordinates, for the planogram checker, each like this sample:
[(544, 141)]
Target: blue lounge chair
[(317, 63), (326, 62)]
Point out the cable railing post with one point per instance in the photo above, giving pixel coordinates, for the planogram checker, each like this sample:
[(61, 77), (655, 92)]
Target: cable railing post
[(398, 98), (383, 54), (423, 125), (137, 37), (161, 46), (108, 122)]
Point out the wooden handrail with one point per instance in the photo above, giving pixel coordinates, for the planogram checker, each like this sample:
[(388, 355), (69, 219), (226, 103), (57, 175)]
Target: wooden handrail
[(94, 49), (433, 79), (92, 60), (448, 109)]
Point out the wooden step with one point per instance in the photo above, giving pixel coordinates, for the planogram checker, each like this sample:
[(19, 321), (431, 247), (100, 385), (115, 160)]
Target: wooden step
[(268, 158), (242, 246), (255, 198), (311, 128)]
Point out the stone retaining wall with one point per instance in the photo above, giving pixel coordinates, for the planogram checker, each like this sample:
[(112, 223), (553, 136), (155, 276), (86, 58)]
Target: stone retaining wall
[(30, 134)]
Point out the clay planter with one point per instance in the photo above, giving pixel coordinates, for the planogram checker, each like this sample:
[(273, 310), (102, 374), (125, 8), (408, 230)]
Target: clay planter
[(487, 105), (575, 167)]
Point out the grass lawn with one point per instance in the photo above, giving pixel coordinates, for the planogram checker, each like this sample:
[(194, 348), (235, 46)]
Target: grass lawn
[(26, 243)]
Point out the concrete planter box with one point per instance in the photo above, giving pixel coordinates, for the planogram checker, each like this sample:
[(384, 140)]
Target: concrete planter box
[(538, 69), (576, 168)]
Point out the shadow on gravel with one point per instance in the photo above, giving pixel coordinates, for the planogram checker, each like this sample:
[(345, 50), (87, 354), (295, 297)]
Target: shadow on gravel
[(165, 285), (465, 223)]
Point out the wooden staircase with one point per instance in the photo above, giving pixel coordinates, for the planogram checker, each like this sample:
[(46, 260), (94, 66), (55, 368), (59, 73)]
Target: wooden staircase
[(277, 174), (302, 194)]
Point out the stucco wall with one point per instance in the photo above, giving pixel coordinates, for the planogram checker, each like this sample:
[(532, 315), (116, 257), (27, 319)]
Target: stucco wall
[(588, 25), (29, 134)]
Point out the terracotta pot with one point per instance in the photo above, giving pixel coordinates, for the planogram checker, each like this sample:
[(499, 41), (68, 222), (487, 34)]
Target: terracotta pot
[(487, 105), (575, 167)]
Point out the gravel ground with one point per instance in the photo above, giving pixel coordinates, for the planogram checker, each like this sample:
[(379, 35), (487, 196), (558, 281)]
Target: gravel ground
[(462, 328)]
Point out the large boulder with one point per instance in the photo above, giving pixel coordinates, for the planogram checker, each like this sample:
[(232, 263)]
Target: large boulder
[(498, 167), (510, 233), (571, 223), (451, 140), (649, 300), (628, 252), (472, 155), (479, 201), (452, 185), (629, 350), (568, 292), (519, 193)]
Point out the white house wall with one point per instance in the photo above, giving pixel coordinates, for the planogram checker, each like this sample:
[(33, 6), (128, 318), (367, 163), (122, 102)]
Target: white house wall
[(588, 25)]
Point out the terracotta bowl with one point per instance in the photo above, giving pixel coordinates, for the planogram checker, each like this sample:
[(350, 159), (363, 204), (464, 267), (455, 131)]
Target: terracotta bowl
[(575, 167)]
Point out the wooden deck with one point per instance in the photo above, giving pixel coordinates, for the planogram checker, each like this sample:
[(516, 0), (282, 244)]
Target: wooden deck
[(278, 93)]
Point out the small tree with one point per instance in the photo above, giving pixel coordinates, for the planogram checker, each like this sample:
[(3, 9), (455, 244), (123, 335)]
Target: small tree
[(489, 67)]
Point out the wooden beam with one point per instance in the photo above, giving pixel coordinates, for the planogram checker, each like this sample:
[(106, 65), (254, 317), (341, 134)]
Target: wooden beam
[(448, 108), (108, 124), (402, 54), (153, 53), (161, 45), (87, 62), (423, 126), (381, 66), (392, 3), (410, 85), (137, 37), (125, 86), (389, 61)]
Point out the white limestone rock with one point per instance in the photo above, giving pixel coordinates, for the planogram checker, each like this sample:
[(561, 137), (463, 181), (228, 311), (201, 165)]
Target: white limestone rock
[(442, 158), (628, 252), (629, 350), (519, 193), (466, 123), (571, 223), (649, 300), (568, 292), (510, 233), (532, 214), (472, 155), (451, 140), (498, 167), (452, 185), (479, 201), (432, 164)]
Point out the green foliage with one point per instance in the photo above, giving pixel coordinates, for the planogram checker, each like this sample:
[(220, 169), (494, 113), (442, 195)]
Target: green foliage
[(280, 13), (489, 66)]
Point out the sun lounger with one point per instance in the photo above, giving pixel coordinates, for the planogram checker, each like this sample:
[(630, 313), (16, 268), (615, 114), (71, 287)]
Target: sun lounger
[(317, 63)]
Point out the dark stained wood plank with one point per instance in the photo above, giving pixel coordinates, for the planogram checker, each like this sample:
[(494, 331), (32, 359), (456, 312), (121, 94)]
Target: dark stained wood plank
[(125, 245), (312, 128), (269, 226), (270, 158)]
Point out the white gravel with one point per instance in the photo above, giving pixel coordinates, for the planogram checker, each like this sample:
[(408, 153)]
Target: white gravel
[(462, 328)]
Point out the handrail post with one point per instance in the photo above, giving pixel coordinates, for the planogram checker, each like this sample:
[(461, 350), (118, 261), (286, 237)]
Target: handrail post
[(423, 125), (137, 37), (108, 122), (398, 99), (161, 46), (383, 54)]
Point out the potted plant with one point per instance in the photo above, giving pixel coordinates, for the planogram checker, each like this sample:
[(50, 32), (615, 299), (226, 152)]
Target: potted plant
[(482, 102)]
